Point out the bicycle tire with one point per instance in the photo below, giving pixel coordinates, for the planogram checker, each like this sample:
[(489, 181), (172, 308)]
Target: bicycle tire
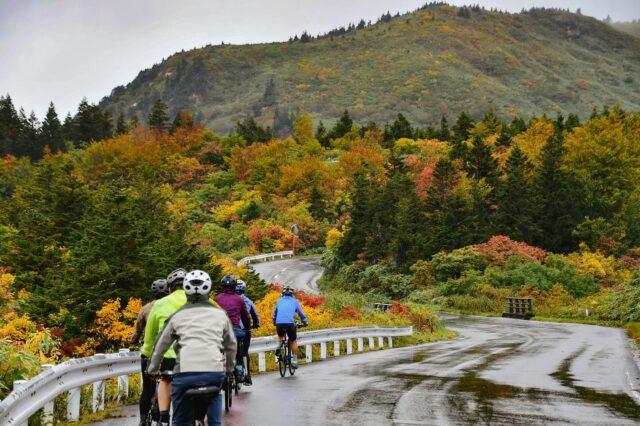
[(290, 356), (152, 409), (282, 359), (237, 386)]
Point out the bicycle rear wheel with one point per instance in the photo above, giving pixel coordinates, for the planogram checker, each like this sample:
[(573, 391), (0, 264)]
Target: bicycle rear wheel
[(282, 359), (290, 355), (228, 398)]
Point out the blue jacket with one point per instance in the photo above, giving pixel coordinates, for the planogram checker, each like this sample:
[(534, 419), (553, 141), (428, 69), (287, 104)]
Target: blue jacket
[(252, 311), (285, 310)]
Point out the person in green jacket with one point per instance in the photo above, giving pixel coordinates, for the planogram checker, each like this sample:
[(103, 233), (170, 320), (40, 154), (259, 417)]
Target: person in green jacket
[(163, 309)]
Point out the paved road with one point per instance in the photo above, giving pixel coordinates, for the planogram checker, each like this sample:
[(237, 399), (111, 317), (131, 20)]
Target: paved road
[(300, 273), (498, 372)]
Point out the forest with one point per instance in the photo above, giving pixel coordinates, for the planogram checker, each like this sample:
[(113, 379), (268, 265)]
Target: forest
[(454, 215)]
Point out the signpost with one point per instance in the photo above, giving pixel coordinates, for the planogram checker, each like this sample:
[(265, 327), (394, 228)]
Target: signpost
[(296, 230)]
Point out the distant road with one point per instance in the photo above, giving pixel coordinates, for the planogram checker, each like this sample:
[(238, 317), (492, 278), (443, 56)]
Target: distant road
[(300, 273), (498, 372)]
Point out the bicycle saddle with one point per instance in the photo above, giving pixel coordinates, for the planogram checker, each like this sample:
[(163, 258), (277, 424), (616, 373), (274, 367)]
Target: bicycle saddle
[(203, 391)]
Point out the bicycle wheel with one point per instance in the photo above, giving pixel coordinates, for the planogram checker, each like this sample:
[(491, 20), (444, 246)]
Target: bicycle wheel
[(237, 386), (290, 354), (282, 359), (154, 411)]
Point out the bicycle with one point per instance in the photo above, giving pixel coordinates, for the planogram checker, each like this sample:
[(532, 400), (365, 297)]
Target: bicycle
[(200, 397), (154, 411), (228, 385), (284, 359)]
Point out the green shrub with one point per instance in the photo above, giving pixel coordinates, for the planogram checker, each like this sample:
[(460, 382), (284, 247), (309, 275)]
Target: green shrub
[(453, 264), (466, 284), (15, 365)]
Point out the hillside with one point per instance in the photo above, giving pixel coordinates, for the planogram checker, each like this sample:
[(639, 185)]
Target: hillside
[(632, 28), (431, 62)]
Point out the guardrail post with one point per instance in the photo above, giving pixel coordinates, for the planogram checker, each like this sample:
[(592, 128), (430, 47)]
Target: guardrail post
[(381, 342), (262, 362), (390, 341), (73, 405), (123, 381), (336, 348), (98, 395), (360, 344), (349, 346), (323, 350), (308, 350), (48, 407), (17, 385), (371, 343)]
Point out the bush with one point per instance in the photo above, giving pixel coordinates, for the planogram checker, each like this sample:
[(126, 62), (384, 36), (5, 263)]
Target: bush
[(15, 365), (453, 264), (500, 248), (466, 284)]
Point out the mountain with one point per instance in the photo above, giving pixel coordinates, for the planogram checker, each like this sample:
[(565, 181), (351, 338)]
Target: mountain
[(437, 60), (632, 28)]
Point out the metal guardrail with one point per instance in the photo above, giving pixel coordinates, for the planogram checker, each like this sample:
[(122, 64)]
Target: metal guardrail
[(264, 257), (30, 396)]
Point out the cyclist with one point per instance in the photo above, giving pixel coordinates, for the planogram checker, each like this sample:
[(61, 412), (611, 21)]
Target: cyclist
[(241, 287), (159, 289), (238, 314), (284, 320), (160, 311), (203, 335)]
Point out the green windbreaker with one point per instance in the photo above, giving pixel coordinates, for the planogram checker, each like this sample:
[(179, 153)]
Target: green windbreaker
[(162, 309)]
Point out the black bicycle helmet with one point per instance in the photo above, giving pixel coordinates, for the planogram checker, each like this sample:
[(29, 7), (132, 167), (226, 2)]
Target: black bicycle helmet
[(174, 279), (160, 287), (228, 281)]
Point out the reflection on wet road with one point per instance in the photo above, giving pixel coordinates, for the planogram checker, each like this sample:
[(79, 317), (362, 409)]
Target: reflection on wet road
[(498, 372)]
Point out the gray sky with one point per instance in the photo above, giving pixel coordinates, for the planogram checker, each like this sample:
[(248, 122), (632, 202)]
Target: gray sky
[(62, 50)]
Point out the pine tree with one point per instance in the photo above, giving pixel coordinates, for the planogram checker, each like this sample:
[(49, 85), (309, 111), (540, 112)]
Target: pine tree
[(559, 195), (445, 133), (317, 205), (252, 132), (479, 161), (516, 206), (51, 132), (121, 125), (358, 231), (182, 120), (343, 126), (158, 118), (400, 128), (10, 126), (90, 124), (321, 135), (461, 132)]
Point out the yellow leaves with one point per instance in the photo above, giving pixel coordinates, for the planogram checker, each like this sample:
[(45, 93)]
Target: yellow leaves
[(332, 237), (533, 139), (112, 324), (17, 329), (7, 279), (228, 211), (230, 266), (303, 128), (589, 263)]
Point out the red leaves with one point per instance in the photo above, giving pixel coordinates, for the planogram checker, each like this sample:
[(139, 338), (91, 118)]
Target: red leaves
[(500, 247)]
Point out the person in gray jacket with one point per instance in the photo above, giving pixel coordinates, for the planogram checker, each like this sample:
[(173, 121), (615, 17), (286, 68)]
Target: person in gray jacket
[(205, 348)]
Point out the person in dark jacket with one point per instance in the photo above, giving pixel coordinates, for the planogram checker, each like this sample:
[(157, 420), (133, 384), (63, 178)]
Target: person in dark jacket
[(241, 287), (238, 314)]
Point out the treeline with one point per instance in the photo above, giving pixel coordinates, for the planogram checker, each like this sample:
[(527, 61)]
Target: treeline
[(26, 136)]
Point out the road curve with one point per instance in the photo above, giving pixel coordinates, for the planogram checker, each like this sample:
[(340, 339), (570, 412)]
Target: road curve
[(300, 273), (498, 372)]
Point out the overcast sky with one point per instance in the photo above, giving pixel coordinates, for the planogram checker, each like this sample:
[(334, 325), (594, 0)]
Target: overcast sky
[(63, 50)]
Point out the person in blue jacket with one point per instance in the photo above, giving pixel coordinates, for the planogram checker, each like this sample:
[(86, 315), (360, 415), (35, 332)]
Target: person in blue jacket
[(284, 320), (241, 287)]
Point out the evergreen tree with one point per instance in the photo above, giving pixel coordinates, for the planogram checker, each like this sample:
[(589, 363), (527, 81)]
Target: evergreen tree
[(10, 126), (358, 231), (121, 125), (445, 133), (559, 195), (317, 205), (252, 132), (90, 124), (461, 132), (400, 128), (51, 131), (479, 161), (29, 142), (158, 118), (133, 123), (516, 206), (343, 126), (322, 136)]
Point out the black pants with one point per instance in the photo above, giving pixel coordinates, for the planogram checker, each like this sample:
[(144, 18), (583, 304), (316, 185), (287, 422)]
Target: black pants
[(245, 348), (148, 389)]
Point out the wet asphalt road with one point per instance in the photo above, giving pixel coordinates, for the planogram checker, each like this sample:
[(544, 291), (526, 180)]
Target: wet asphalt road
[(498, 372), (300, 273)]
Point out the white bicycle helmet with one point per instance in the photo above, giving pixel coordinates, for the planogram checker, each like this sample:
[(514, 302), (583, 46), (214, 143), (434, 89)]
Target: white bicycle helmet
[(197, 282)]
